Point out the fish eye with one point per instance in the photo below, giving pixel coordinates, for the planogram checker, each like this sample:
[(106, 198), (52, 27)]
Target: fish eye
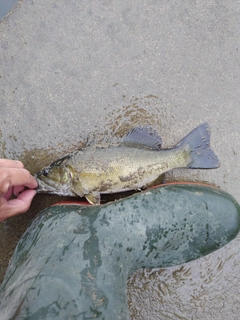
[(45, 172)]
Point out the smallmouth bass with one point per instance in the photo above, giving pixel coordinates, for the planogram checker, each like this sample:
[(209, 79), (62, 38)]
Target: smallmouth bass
[(132, 164)]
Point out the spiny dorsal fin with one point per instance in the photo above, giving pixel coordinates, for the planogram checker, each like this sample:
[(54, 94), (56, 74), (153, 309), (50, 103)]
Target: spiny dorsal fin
[(143, 137)]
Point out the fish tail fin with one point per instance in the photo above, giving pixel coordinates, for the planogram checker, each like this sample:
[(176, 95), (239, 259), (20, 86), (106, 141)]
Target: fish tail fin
[(202, 155)]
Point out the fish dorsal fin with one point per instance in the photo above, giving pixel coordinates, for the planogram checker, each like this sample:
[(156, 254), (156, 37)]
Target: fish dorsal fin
[(143, 137)]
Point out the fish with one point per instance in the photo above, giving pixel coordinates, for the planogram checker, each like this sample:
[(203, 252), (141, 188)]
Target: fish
[(131, 164)]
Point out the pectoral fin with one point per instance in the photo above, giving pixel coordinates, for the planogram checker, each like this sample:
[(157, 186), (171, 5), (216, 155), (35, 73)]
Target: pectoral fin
[(93, 198), (77, 188)]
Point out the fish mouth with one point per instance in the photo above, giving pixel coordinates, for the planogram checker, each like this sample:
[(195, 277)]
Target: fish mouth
[(43, 187)]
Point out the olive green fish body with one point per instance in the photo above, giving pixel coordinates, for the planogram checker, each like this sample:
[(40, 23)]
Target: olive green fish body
[(120, 168), (134, 164)]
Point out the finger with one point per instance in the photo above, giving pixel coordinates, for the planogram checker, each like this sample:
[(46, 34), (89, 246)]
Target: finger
[(16, 177), (16, 206), (26, 196), (9, 193), (30, 181), (17, 190), (13, 191), (7, 163)]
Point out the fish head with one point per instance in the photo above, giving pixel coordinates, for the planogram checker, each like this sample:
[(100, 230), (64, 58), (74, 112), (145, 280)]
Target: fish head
[(55, 179)]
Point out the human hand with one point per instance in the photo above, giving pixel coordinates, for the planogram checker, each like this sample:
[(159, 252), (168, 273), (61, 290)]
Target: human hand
[(13, 180)]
